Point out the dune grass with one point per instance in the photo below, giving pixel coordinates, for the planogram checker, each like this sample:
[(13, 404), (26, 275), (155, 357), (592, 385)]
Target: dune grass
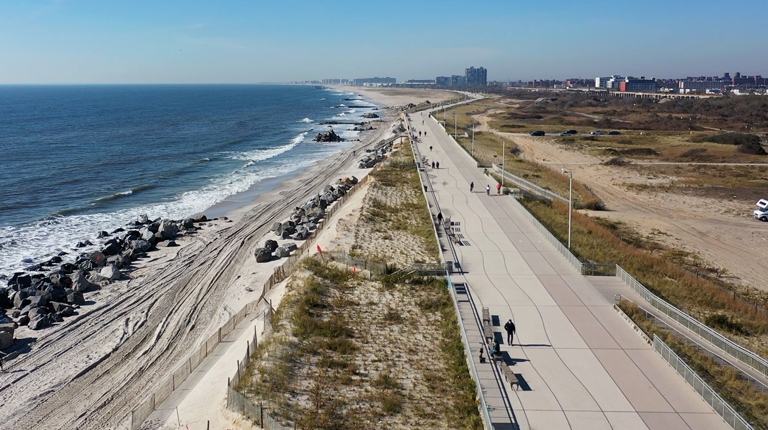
[(360, 350)]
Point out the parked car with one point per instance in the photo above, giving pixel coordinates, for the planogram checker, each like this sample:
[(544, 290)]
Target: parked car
[(537, 133), (597, 133), (762, 212), (613, 133)]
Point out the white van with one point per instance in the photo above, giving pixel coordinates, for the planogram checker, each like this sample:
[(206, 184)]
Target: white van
[(762, 213)]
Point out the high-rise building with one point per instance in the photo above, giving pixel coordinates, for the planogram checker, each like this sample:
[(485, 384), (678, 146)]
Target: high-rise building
[(476, 77)]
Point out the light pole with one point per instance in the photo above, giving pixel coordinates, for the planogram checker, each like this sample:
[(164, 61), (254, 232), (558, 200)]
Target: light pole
[(454, 125), (503, 144), (570, 203), (473, 139)]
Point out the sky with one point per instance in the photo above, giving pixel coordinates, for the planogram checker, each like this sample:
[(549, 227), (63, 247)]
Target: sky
[(233, 41)]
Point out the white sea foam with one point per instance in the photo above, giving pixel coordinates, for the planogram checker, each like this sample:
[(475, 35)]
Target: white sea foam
[(306, 120), (43, 239)]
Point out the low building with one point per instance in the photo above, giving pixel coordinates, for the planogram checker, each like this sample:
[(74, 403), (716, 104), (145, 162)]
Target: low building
[(638, 85)]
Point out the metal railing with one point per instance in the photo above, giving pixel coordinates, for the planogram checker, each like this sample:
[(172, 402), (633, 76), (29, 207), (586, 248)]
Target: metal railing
[(680, 336), (484, 410), (718, 340), (547, 235), (528, 185), (730, 416)]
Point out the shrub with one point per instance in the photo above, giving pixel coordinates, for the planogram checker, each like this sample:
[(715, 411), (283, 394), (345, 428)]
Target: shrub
[(751, 148), (730, 139)]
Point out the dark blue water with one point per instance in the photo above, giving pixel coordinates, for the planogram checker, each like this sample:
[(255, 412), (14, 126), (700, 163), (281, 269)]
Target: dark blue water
[(79, 159)]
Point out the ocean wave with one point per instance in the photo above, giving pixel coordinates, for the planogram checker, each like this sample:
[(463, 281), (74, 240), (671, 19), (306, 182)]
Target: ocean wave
[(306, 120), (114, 196), (43, 239)]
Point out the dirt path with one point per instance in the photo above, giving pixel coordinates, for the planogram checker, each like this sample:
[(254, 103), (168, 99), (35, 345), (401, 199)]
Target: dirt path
[(721, 232), (91, 371)]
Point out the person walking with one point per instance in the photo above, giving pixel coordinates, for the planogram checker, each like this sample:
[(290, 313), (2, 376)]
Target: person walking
[(439, 217), (437, 164), (488, 189), (498, 189), (471, 186), (510, 328), (433, 164), (430, 147)]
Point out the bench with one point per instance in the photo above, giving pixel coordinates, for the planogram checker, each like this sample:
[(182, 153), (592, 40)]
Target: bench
[(488, 333), (511, 377), (486, 316)]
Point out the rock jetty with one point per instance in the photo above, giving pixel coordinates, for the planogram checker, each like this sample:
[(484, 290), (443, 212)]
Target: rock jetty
[(47, 292), (303, 221), (328, 136)]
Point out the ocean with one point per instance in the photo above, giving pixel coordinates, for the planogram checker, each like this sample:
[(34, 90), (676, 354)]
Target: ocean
[(77, 160)]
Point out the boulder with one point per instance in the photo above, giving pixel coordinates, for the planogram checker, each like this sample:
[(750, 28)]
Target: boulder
[(23, 320), (171, 243), (62, 309), (110, 272), (262, 255), (111, 247), (168, 229), (328, 136), (271, 245), (141, 245), (75, 298), (201, 218), (276, 227), (282, 251), (98, 259), (142, 219), (41, 321), (79, 282), (20, 299), (23, 281), (67, 268), (6, 339)]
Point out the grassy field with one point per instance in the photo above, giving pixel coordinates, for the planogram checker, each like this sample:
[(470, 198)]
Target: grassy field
[(678, 277), (725, 380), (365, 350), (659, 146)]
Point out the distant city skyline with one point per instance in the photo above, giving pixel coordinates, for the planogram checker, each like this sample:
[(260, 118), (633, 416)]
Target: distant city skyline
[(92, 42)]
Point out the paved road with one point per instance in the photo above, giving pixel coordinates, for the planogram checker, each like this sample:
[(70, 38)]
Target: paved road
[(581, 366)]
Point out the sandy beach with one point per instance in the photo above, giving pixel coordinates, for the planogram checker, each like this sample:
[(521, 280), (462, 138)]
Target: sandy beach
[(91, 370)]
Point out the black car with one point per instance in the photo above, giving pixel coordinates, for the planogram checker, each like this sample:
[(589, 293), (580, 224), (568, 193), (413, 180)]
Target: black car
[(537, 133), (613, 133), (571, 131)]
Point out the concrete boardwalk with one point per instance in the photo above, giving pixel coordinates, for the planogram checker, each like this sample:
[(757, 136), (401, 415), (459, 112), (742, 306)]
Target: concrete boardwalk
[(580, 365)]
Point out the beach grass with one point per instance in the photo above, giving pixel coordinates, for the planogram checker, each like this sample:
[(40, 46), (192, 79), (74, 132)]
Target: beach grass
[(361, 350)]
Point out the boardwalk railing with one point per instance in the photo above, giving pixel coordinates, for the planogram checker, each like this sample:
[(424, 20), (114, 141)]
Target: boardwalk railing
[(731, 417), (718, 340), (484, 410), (528, 185)]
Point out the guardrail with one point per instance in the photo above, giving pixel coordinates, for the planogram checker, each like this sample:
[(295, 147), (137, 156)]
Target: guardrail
[(718, 340), (730, 416), (528, 185), (547, 235)]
